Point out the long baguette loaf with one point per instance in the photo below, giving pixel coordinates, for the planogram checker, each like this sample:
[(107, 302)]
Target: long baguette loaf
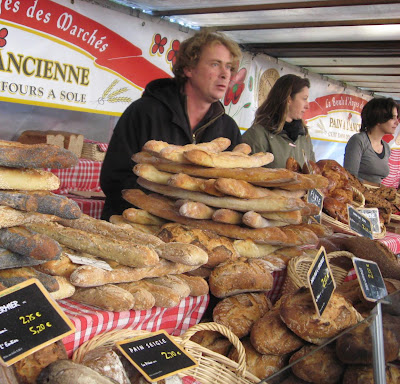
[(164, 297), (17, 155), (250, 249), (124, 222), (228, 159), (319, 229), (190, 183), (102, 227), (61, 267), (158, 207), (42, 202), (10, 259), (263, 204), (143, 299), (10, 217), (107, 297), (13, 276), (292, 217), (187, 254), (28, 179), (242, 189), (301, 235), (255, 220), (196, 210), (227, 216), (138, 216), (171, 281), (198, 286), (252, 175), (243, 148), (124, 252), (28, 243), (89, 276)]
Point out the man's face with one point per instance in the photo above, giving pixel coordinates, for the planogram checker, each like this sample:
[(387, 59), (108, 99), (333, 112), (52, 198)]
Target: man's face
[(209, 80)]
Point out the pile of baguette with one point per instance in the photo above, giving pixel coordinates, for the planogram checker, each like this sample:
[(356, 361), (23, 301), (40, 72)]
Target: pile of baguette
[(205, 191), (47, 237)]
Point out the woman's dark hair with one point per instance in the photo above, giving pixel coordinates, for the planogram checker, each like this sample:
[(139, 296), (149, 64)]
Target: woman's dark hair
[(377, 111), (272, 113)]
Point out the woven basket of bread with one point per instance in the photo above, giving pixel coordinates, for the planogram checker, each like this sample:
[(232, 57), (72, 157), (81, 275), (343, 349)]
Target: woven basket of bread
[(91, 151), (212, 367), (298, 268)]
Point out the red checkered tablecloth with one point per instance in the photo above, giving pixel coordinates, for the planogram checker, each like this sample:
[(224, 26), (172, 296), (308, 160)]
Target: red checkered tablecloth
[(392, 241), (89, 321), (90, 207), (85, 176)]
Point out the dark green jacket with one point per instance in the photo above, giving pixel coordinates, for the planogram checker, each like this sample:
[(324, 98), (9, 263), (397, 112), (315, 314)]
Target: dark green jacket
[(280, 145)]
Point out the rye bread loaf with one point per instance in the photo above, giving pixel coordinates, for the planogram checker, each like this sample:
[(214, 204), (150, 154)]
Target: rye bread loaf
[(239, 312), (240, 276), (18, 155)]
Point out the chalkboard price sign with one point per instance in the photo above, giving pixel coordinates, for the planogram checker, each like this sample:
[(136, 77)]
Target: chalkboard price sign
[(359, 223), (320, 280), (370, 279), (317, 198), (373, 215), (156, 356), (29, 320)]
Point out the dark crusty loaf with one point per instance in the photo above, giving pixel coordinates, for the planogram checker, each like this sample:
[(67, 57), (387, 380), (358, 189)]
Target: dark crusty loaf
[(17, 155)]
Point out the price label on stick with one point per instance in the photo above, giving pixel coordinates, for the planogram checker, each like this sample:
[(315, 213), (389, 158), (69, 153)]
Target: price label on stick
[(29, 320), (359, 223), (320, 280), (156, 356), (370, 279), (317, 198)]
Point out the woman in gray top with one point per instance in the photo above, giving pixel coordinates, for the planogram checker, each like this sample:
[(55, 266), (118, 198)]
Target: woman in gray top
[(366, 154)]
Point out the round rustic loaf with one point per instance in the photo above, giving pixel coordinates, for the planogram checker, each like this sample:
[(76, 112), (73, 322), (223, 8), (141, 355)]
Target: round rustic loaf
[(298, 312), (320, 367), (239, 312)]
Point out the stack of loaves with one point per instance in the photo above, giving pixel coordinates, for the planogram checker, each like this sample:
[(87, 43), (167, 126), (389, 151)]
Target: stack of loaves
[(46, 236), (26, 198), (207, 191)]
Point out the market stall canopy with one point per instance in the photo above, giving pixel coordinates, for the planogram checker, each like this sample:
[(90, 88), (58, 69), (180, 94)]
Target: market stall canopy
[(351, 41)]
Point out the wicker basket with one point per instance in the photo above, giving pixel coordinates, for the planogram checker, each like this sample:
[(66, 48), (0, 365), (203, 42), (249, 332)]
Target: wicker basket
[(298, 268), (91, 151), (212, 368)]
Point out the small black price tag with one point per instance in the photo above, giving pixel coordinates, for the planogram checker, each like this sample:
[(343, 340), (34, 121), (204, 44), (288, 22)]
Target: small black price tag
[(320, 280), (317, 198), (156, 356), (29, 320), (359, 223), (370, 279), (373, 215)]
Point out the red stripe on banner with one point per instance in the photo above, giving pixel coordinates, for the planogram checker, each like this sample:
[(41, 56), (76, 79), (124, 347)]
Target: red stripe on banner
[(109, 49)]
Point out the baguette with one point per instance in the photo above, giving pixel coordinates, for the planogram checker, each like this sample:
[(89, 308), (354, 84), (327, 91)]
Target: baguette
[(310, 210), (255, 220), (149, 172), (123, 252), (250, 249), (164, 297), (102, 227), (187, 254), (13, 276), (89, 276), (263, 204), (319, 229), (62, 267), (121, 221), (138, 216), (28, 179), (243, 148), (65, 290), (301, 235), (10, 259), (143, 299), (272, 235), (17, 155), (292, 217), (196, 210), (227, 216), (107, 297), (252, 175), (170, 281), (190, 183), (10, 217), (198, 286), (228, 159), (42, 202), (28, 243)]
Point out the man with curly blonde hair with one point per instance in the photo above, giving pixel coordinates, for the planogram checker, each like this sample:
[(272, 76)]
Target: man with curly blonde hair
[(180, 110)]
